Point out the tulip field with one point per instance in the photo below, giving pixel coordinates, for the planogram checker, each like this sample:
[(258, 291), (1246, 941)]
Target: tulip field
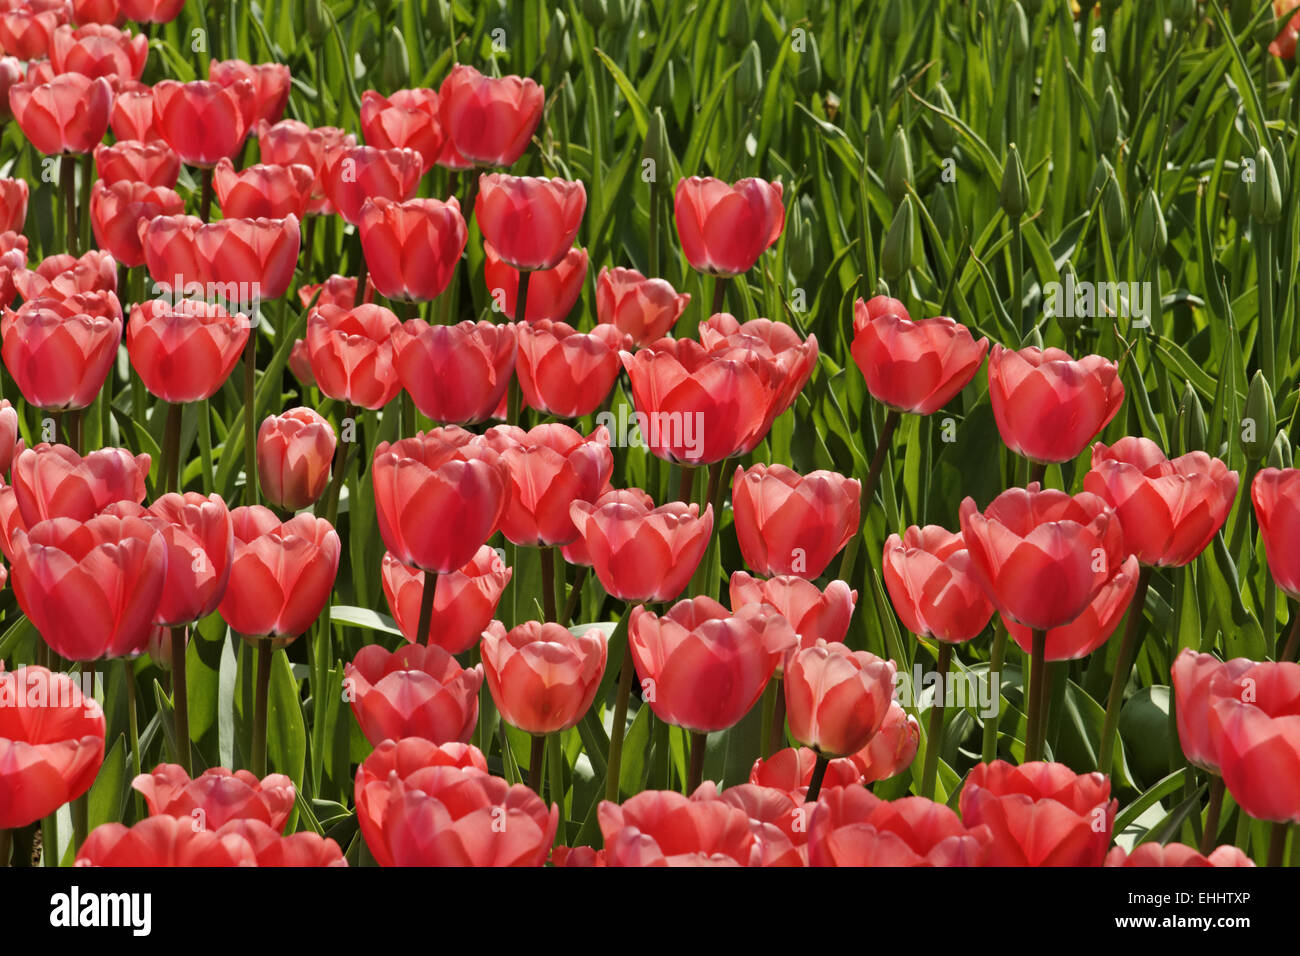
[(649, 433)]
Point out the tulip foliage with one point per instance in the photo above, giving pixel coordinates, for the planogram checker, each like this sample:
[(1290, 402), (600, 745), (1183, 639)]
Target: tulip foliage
[(667, 435)]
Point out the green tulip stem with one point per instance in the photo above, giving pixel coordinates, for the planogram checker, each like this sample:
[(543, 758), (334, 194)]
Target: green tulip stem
[(427, 595), (180, 698), (1035, 729), (849, 565), (997, 654), (618, 728), (536, 761), (699, 744), (1210, 834), (265, 651), (934, 733), (1123, 665), (819, 774)]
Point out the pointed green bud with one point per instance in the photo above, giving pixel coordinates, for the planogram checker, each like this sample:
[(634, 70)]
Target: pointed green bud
[(800, 247), (1266, 190), (395, 67), (942, 133), (1239, 200), (891, 26), (1279, 454), (1261, 418), (1192, 427), (1014, 195), (315, 21), (559, 47), (740, 24), (940, 210), (876, 143), (749, 78), (1015, 36), (1114, 210), (896, 256), (1108, 126), (898, 166), (1151, 233), (809, 77), (1033, 339), (595, 11), (656, 148)]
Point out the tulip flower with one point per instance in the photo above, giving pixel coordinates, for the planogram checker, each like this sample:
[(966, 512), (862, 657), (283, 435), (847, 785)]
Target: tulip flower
[(409, 119), (551, 293), (13, 261), (913, 366), (464, 601), (416, 691), (1094, 626), (776, 820), (853, 827), (645, 309), (660, 828), (90, 588), (53, 481), (26, 33), (455, 374), (98, 12), (412, 248), (353, 174), (155, 164), (1176, 854), (576, 552), (116, 210), (13, 205), (204, 121), (51, 744), (542, 677), (151, 11), (163, 841), (725, 228), (566, 373), (98, 50), (928, 576), (69, 114), (790, 770), (1193, 675), (270, 85), (549, 468), (10, 443), (263, 192), (762, 340), (294, 451), (1040, 814), (250, 253), (530, 222), (1275, 493), (446, 816), (892, 749), (1048, 406), (216, 796), (336, 290), (789, 523), (61, 277), (488, 120), (639, 552), (814, 614), (11, 72), (405, 759), (186, 351), (132, 114), (351, 353), (58, 355), (438, 498), (289, 142), (272, 849), (172, 255), (577, 856)]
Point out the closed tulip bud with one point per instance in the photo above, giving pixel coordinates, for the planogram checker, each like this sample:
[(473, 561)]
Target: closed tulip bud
[(724, 228), (559, 46), (941, 211), (799, 248), (656, 147), (294, 451), (1192, 426), (618, 11), (1279, 454), (809, 77), (891, 26), (749, 78), (315, 21), (1015, 32), (896, 255), (1014, 195), (1071, 323), (787, 523), (740, 26), (1181, 12), (942, 133), (1108, 126), (490, 121), (898, 166), (1151, 234), (1114, 210), (640, 552), (1266, 191), (1261, 418), (415, 691), (876, 143), (395, 64), (595, 11), (1102, 172), (184, 352), (837, 699), (542, 677)]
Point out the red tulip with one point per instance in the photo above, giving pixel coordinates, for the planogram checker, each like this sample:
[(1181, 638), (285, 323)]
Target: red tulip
[(61, 277), (13, 261), (184, 352), (1275, 493), (13, 205), (551, 292), (645, 309), (289, 142), (163, 841), (1041, 814), (916, 367), (1193, 675), (51, 744), (837, 699), (199, 534), (1048, 406), (132, 115), (549, 468), (927, 573), (39, 72), (576, 552), (25, 33), (542, 677), (405, 759), (412, 247), (10, 443), (263, 192), (565, 373), (1090, 629), (416, 691), (679, 386), (216, 796), (281, 574), (353, 174), (172, 255), (58, 355), (791, 770), (662, 828), (204, 121), (99, 50), (530, 222), (53, 481), (445, 816), (702, 666), (69, 114), (891, 750), (117, 209), (269, 848), (1169, 510), (90, 588), (438, 497), (455, 374), (11, 72), (98, 12), (351, 353), (853, 827), (1176, 854), (489, 120), (639, 552), (270, 83), (764, 341), (724, 229), (152, 11), (789, 523), (815, 615), (336, 290), (294, 452), (464, 601), (577, 856), (256, 253), (1254, 729), (1041, 555), (406, 120), (152, 163), (776, 820)]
